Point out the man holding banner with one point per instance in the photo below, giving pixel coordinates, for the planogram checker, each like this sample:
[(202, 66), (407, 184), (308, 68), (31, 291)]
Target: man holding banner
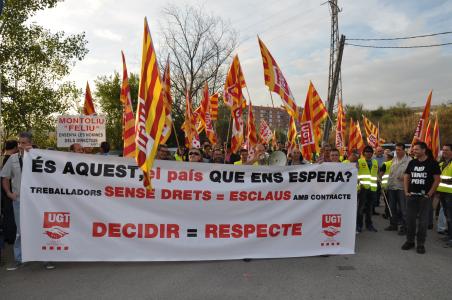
[(12, 170)]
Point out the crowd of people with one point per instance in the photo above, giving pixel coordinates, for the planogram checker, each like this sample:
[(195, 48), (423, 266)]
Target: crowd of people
[(413, 186)]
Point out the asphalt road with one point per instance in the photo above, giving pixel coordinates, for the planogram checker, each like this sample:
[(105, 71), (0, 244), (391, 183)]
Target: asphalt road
[(379, 270)]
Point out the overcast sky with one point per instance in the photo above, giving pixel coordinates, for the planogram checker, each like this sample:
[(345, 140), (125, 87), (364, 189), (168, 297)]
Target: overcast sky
[(297, 33)]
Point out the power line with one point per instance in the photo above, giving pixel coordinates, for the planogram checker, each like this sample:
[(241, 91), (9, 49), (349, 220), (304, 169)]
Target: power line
[(401, 38), (275, 25), (399, 47), (266, 19)]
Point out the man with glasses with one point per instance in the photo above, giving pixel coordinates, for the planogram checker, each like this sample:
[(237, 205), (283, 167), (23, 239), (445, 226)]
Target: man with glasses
[(195, 155)]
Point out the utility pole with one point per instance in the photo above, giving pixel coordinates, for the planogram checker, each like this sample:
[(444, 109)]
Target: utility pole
[(334, 76)]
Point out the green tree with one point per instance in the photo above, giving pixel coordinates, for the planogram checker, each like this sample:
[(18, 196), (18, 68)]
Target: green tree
[(33, 65), (354, 111)]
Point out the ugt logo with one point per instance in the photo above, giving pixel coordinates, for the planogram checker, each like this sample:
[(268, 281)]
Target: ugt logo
[(56, 224), (331, 224)]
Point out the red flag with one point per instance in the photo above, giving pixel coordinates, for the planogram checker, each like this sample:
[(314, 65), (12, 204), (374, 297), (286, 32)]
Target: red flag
[(420, 132), (128, 118), (88, 105)]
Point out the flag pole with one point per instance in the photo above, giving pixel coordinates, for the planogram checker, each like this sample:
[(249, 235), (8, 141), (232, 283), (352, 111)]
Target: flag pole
[(271, 97), (175, 133), (378, 133), (229, 129)]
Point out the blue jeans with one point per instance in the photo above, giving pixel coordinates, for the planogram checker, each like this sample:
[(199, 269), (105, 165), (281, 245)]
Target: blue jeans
[(446, 200), (397, 203), (17, 242)]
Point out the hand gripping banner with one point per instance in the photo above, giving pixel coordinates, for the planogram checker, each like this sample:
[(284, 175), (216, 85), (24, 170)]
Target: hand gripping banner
[(78, 207)]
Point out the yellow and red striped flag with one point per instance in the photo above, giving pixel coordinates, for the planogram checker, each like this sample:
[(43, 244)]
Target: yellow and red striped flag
[(314, 113), (166, 90), (189, 125), (435, 139), (233, 98), (251, 133), (372, 132), (419, 134), (205, 117), (151, 108), (355, 138), (340, 128), (128, 118), (88, 105), (214, 107), (291, 135), (235, 81), (276, 82)]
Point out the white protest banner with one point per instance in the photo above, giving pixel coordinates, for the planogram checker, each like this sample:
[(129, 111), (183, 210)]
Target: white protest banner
[(88, 131), (78, 207)]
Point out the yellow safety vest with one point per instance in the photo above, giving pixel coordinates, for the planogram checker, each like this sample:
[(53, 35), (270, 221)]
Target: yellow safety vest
[(446, 174), (384, 179), (239, 162), (177, 157), (367, 178), (348, 162)]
